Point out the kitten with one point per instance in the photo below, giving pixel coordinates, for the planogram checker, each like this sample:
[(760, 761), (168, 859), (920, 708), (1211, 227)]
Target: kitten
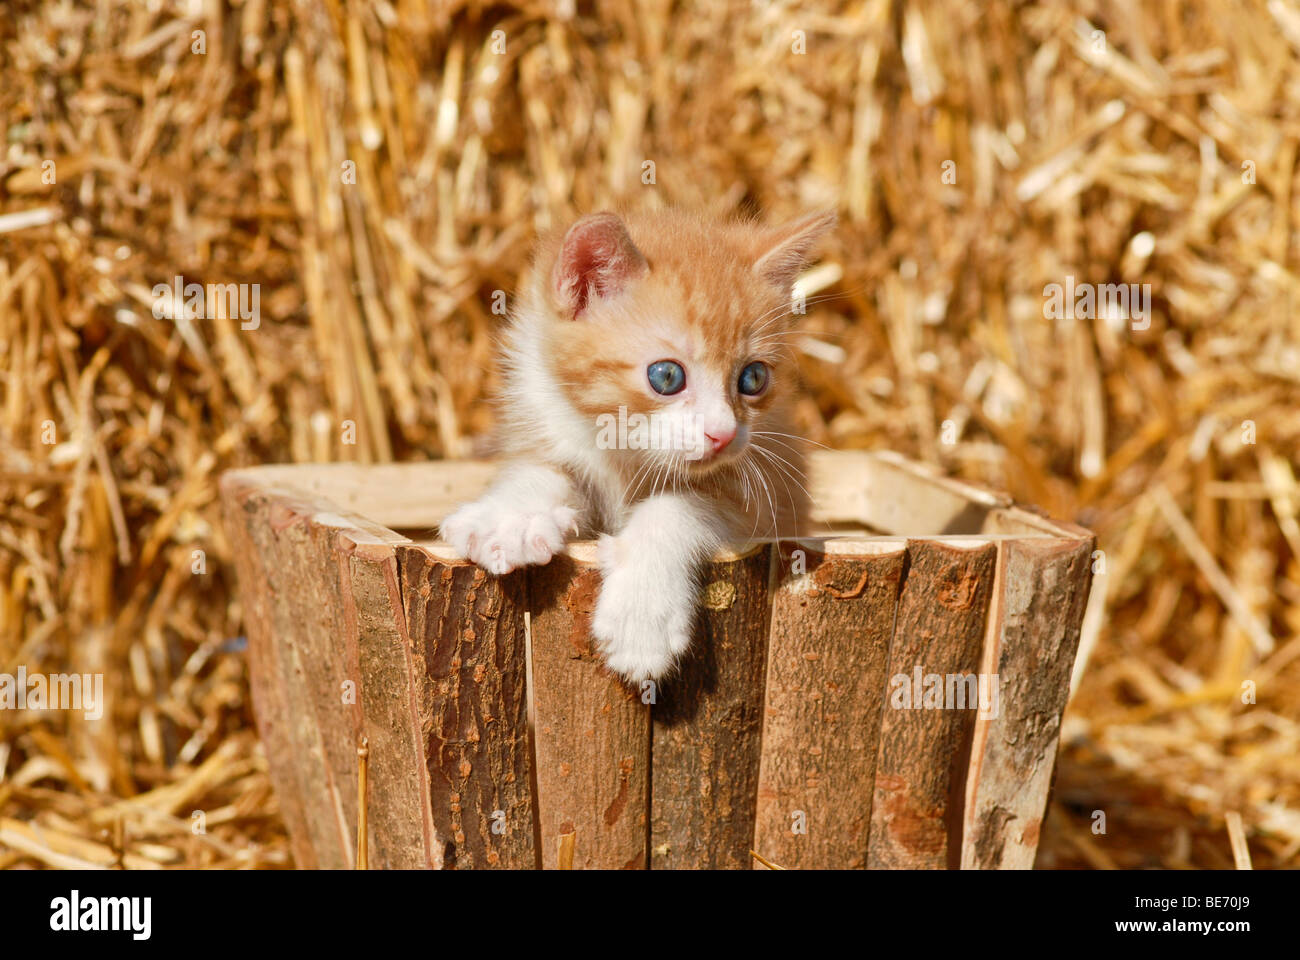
[(646, 390)]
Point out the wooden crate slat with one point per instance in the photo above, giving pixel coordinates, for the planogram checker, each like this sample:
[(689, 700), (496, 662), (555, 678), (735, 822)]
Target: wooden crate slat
[(306, 559), (391, 694), (1043, 593), (831, 629), (468, 631), (299, 570), (412, 497), (895, 496), (921, 765), (707, 724), (332, 580), (1022, 522), (298, 774), (591, 732)]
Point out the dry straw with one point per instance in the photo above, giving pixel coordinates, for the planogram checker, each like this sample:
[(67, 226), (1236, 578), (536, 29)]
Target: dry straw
[(380, 169)]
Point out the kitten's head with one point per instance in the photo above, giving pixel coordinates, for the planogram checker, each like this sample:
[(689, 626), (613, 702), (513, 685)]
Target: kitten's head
[(669, 333)]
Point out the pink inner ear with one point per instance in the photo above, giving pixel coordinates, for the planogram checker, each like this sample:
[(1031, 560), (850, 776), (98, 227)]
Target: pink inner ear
[(597, 258)]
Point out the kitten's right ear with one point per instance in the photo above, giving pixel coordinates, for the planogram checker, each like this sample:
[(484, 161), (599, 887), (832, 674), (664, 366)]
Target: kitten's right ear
[(784, 248), (597, 259)]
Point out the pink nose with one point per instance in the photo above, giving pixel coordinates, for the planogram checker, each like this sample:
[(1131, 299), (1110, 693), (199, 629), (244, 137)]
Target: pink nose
[(720, 438)]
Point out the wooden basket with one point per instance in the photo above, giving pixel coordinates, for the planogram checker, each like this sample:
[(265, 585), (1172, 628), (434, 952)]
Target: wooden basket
[(497, 739)]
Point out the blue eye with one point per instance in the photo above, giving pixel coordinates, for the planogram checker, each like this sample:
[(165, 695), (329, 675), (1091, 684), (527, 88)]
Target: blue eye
[(753, 379), (666, 376)]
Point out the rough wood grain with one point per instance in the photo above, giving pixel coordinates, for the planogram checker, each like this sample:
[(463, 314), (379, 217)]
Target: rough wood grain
[(391, 695), (1043, 592), (246, 517), (315, 744), (333, 663), (707, 723), (355, 629), (592, 733), (304, 566), (469, 630), (832, 622), (917, 807)]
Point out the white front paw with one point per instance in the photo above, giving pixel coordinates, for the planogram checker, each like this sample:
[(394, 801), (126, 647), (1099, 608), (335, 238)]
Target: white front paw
[(643, 617), (502, 538)]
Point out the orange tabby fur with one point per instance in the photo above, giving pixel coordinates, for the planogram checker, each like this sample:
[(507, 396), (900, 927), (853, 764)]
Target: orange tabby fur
[(700, 293), (611, 304)]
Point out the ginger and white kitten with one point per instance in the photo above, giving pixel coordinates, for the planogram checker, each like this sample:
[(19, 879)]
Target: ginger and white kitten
[(684, 322)]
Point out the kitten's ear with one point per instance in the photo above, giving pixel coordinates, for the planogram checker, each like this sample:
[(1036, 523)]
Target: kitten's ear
[(597, 259), (781, 252)]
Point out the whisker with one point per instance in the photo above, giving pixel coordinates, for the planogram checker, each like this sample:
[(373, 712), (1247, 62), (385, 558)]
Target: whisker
[(794, 509), (776, 440), (783, 474), (766, 487), (747, 466), (794, 472), (639, 478), (774, 433)]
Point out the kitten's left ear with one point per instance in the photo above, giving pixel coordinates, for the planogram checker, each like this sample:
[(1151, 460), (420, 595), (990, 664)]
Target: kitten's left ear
[(782, 251)]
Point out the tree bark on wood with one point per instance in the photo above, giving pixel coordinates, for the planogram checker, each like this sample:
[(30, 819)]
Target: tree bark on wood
[(356, 630), (916, 812), (390, 694), (591, 731), (299, 772), (832, 623), (707, 723), (328, 640), (1034, 636), (468, 631)]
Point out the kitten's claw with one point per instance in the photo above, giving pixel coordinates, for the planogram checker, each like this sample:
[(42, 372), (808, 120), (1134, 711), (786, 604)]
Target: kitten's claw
[(500, 539), (643, 619)]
